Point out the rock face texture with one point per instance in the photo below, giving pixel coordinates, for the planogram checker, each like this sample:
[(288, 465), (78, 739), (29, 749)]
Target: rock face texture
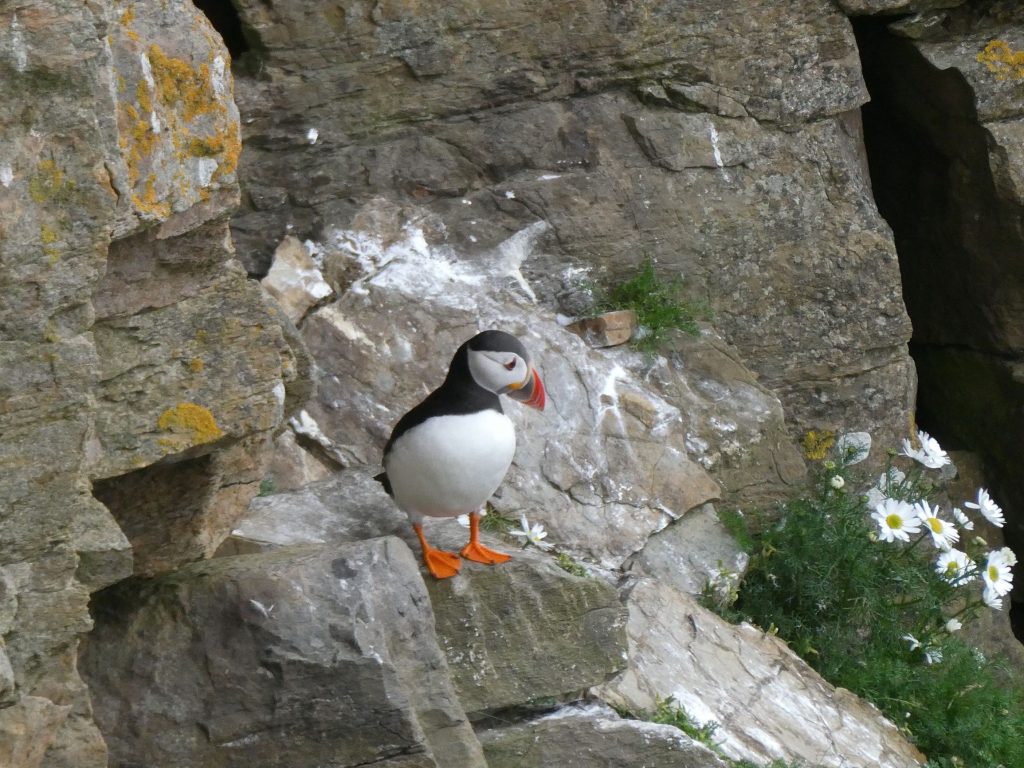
[(413, 173), (723, 141), (593, 737), (119, 336), (683, 651), (296, 658)]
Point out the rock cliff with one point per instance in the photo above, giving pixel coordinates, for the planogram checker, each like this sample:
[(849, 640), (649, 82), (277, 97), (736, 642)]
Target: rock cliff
[(399, 175)]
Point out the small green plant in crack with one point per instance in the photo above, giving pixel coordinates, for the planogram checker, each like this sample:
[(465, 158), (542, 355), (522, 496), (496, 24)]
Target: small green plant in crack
[(667, 712), (267, 486), (567, 564), (495, 522), (659, 305)]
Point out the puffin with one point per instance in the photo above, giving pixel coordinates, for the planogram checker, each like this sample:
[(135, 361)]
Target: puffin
[(447, 456)]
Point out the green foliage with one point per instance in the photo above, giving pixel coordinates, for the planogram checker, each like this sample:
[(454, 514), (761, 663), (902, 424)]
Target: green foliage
[(495, 522), (659, 306), (846, 601), (569, 565), (667, 712), (267, 486)]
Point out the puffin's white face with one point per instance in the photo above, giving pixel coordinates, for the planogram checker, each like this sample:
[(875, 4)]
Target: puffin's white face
[(499, 372)]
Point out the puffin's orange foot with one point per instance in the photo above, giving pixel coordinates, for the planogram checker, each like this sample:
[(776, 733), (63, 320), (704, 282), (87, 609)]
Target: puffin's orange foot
[(478, 553), (441, 564)]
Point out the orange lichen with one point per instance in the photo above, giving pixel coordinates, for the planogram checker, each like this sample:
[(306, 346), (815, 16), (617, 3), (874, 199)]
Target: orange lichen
[(196, 365), (129, 15), (179, 83), (188, 424), (143, 96), (1002, 61), (149, 202)]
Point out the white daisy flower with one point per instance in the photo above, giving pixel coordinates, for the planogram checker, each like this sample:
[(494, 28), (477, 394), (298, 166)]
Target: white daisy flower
[(988, 508), (914, 642), (1009, 557), (944, 535), (892, 478), (837, 482), (933, 656), (992, 600), (930, 454), (954, 565), (997, 574), (962, 520), (895, 520), (534, 534), (954, 625), (464, 519)]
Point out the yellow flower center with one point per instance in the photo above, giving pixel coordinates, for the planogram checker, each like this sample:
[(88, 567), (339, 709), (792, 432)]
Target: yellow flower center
[(951, 568), (935, 524), (993, 573), (894, 521)]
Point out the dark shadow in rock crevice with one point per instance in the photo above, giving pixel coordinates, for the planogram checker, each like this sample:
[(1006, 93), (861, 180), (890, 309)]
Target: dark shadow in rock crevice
[(959, 233)]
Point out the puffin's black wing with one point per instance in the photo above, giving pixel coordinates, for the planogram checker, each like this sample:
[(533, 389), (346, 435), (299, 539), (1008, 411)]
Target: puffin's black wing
[(382, 478)]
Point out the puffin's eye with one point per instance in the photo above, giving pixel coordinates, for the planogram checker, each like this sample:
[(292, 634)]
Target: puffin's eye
[(510, 365)]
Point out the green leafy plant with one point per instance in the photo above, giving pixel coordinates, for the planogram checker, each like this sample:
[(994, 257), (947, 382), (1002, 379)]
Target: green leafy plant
[(667, 712), (567, 564), (495, 522), (872, 590), (268, 486), (659, 304)]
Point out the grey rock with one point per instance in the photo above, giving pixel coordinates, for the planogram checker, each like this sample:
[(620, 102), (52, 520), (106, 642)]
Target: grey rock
[(625, 445), (768, 703), (115, 118), (514, 635), (350, 506), (693, 554), (299, 657), (294, 280), (525, 632), (723, 142), (593, 736)]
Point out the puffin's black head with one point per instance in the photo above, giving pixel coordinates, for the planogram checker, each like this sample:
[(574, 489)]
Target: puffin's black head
[(499, 362)]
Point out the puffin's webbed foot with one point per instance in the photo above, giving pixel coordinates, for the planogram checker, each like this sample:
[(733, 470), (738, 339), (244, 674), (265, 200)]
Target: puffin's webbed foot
[(441, 564), (476, 551)]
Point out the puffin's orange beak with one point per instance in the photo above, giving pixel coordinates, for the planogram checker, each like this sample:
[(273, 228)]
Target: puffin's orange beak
[(530, 392)]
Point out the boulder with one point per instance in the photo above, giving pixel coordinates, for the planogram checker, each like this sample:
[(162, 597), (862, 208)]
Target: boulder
[(521, 634), (593, 736), (768, 703), (294, 280), (293, 658), (696, 555), (525, 633), (624, 447)]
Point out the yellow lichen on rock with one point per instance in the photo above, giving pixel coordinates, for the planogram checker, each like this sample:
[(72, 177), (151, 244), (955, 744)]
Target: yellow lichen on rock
[(48, 183), (1001, 60), (188, 424), (818, 443)]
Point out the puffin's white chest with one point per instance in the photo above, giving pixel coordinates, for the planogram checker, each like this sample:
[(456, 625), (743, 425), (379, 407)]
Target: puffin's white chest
[(450, 465)]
